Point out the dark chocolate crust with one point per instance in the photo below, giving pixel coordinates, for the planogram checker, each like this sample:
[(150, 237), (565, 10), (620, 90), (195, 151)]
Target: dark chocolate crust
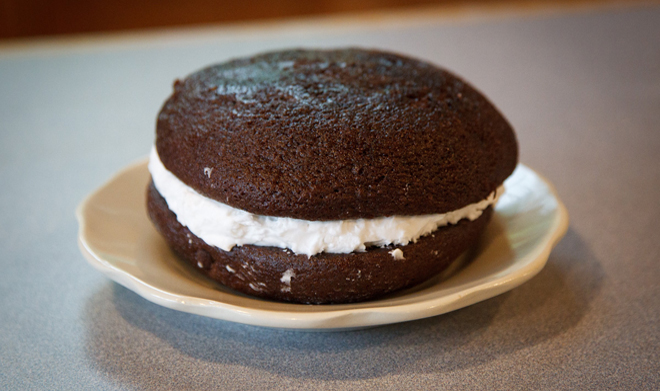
[(339, 134), (322, 278)]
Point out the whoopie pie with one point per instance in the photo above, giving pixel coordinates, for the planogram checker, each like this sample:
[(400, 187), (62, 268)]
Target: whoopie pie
[(326, 176)]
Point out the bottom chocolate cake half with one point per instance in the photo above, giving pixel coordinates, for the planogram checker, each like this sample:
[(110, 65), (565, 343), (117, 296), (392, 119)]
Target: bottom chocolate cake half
[(278, 274)]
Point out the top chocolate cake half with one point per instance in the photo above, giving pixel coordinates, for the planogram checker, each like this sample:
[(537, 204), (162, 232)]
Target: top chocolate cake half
[(334, 135)]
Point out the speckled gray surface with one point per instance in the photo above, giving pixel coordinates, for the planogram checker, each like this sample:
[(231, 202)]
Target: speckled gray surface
[(583, 92)]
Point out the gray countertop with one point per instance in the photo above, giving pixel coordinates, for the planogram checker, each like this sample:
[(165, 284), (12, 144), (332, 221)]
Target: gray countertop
[(582, 90)]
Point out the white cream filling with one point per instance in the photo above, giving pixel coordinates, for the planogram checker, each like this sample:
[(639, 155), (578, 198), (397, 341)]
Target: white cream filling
[(223, 226)]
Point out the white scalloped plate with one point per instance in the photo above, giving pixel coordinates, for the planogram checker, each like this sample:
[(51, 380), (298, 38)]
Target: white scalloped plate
[(117, 238)]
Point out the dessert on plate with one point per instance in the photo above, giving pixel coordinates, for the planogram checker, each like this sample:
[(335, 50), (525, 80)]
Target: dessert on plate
[(326, 176)]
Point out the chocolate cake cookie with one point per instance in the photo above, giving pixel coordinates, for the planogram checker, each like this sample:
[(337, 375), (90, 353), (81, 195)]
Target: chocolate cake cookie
[(326, 176)]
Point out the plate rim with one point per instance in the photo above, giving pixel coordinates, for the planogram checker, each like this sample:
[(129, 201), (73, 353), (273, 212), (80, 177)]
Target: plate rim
[(337, 316)]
